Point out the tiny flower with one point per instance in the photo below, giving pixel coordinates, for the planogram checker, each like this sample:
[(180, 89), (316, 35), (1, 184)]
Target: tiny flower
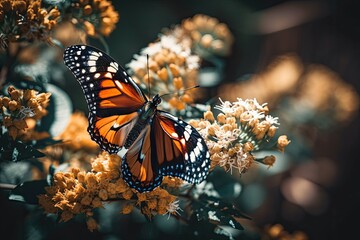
[(95, 16), (96, 202), (208, 115), (127, 194), (268, 160), (103, 194), (92, 224), (173, 208), (127, 209), (239, 129), (208, 35), (26, 20), (282, 142), (172, 69)]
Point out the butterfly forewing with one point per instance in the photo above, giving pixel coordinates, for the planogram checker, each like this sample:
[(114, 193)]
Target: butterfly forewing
[(112, 96)]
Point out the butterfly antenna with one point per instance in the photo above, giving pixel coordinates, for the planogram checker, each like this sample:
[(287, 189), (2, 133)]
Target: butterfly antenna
[(186, 89), (148, 73)]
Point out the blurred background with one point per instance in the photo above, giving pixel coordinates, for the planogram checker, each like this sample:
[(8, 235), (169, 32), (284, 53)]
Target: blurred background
[(290, 54), (302, 58)]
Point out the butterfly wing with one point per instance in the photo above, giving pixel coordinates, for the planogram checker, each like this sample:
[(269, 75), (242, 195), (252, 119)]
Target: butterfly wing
[(165, 147), (112, 96), (139, 165), (179, 149)]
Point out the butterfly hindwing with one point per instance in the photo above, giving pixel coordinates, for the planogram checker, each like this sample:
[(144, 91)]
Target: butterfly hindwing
[(179, 149), (112, 96), (139, 166), (166, 147)]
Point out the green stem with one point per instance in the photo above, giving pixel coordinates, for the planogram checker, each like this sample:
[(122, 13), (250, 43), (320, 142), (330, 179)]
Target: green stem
[(104, 43)]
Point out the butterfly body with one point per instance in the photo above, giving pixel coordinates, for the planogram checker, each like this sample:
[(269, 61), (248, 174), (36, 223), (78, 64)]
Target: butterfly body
[(152, 143), (145, 116)]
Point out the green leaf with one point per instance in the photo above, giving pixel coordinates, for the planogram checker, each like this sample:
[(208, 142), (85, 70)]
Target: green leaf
[(222, 218), (24, 83), (22, 151), (224, 206), (46, 142), (11, 150), (27, 192)]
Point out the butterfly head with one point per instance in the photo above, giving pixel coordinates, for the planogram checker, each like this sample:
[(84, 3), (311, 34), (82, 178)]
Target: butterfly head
[(156, 100)]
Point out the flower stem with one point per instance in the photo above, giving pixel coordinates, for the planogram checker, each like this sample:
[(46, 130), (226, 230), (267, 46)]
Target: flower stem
[(6, 186)]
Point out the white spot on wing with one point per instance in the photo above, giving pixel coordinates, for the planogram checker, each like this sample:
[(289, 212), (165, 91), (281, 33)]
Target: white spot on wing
[(186, 135), (122, 152), (108, 75), (114, 65), (200, 146), (91, 63), (92, 57), (192, 157), (197, 152), (111, 69)]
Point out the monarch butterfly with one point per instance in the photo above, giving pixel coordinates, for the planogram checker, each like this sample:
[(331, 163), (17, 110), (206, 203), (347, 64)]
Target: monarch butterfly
[(152, 143)]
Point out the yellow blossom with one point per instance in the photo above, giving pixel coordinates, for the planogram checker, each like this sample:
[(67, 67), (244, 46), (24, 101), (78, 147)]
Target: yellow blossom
[(208, 34), (95, 16), (27, 20), (239, 129), (172, 68), (75, 135), (92, 224), (269, 160), (282, 142), (127, 208)]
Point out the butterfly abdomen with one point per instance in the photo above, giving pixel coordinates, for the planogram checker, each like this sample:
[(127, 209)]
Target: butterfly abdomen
[(146, 114), (134, 133)]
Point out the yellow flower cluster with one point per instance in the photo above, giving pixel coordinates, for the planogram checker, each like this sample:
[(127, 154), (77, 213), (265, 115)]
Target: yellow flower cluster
[(208, 35), (75, 135), (77, 192), (96, 16), (174, 59), (26, 19), (20, 106), (239, 129), (324, 92), (172, 68)]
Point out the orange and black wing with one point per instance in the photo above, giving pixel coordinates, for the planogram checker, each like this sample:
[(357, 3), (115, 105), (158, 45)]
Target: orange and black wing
[(167, 146), (178, 149), (113, 98), (139, 166)]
